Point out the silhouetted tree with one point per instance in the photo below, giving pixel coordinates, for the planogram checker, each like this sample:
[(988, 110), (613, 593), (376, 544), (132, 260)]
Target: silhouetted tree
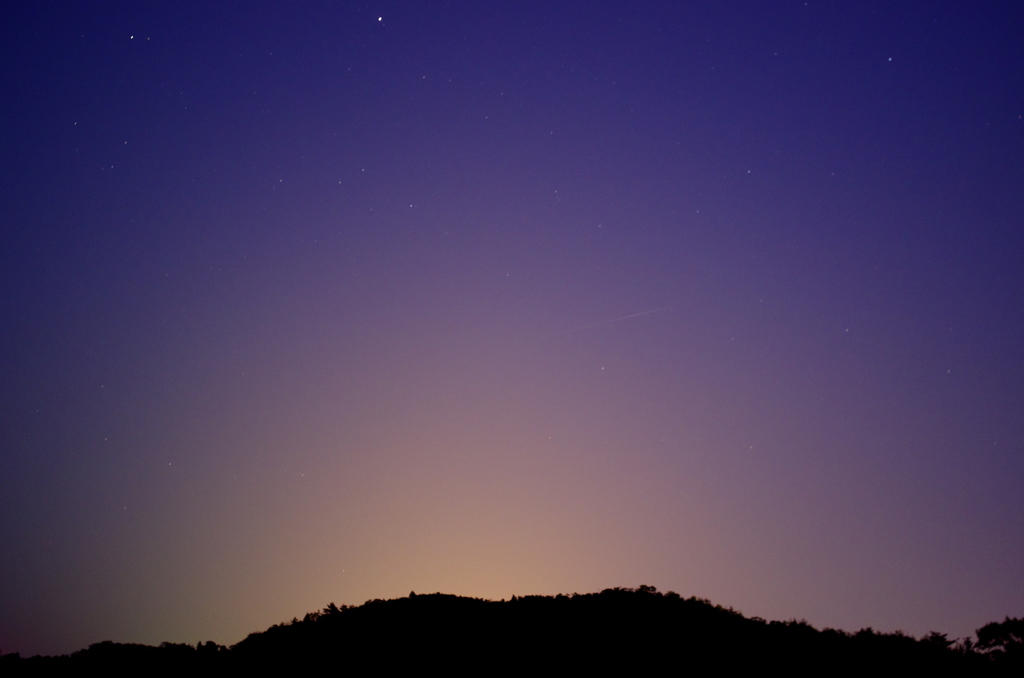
[(1003, 642)]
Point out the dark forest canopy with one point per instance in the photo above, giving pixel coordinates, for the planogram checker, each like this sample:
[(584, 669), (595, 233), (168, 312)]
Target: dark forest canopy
[(621, 628)]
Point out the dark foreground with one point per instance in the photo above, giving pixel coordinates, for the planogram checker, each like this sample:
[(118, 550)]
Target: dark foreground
[(627, 630)]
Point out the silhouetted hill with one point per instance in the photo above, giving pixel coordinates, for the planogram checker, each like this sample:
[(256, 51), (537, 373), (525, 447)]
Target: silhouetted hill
[(627, 630)]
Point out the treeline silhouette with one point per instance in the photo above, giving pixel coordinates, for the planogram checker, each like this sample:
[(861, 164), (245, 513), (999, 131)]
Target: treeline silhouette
[(618, 629)]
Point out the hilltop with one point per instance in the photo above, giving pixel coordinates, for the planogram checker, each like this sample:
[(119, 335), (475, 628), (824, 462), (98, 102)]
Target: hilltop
[(616, 629)]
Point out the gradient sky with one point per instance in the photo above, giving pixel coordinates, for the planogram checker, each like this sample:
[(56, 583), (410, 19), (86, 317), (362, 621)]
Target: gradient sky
[(331, 301)]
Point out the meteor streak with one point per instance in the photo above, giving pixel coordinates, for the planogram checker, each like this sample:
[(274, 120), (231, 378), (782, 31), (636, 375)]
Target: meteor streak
[(608, 322)]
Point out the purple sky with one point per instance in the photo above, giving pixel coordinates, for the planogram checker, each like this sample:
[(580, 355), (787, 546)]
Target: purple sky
[(332, 301)]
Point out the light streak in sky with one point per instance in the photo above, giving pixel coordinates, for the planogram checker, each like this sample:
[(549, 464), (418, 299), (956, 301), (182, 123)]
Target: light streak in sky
[(608, 322)]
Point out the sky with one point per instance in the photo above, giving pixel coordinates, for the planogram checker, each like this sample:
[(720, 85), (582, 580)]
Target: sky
[(328, 301)]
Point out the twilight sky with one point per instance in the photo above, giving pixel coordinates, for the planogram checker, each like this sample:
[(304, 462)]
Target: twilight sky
[(331, 301)]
